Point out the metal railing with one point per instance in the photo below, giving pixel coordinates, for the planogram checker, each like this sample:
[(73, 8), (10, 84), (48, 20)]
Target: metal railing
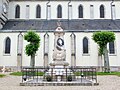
[(59, 74)]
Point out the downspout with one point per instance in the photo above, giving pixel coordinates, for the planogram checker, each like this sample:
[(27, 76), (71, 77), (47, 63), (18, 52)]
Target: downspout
[(111, 9), (47, 8), (68, 13), (68, 8)]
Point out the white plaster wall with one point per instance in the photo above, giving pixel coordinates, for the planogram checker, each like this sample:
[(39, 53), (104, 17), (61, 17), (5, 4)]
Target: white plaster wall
[(0, 7), (8, 60), (32, 5), (51, 46), (67, 41), (64, 4), (115, 59), (86, 9), (54, 5), (90, 59), (117, 7)]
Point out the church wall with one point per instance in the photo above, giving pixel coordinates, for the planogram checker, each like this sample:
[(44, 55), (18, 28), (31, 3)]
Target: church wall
[(86, 59), (8, 59), (86, 9), (117, 6), (90, 59), (64, 4), (54, 5), (32, 12), (115, 59)]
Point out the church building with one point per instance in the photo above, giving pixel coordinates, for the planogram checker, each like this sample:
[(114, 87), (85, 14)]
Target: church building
[(79, 19)]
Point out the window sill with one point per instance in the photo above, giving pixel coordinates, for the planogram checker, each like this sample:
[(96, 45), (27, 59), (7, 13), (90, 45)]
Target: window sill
[(87, 54), (6, 54), (112, 55)]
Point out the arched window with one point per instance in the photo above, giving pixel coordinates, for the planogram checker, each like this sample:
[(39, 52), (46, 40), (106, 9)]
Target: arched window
[(80, 11), (38, 11), (59, 11), (85, 45), (17, 11), (7, 45), (111, 48), (102, 14)]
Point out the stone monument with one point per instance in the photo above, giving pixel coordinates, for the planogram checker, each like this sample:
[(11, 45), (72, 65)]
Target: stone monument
[(59, 63), (59, 52)]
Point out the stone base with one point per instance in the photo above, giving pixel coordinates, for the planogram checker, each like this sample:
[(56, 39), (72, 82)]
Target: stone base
[(59, 63), (61, 83)]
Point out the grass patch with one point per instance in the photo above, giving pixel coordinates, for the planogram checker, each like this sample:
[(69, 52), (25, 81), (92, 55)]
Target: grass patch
[(2, 75), (28, 73), (16, 73), (41, 73), (99, 73), (111, 73), (77, 73)]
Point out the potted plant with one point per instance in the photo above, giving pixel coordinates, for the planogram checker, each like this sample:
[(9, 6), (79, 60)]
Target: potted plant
[(69, 78), (49, 78)]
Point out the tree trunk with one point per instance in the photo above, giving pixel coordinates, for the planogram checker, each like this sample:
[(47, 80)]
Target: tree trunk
[(32, 62), (100, 64), (106, 60)]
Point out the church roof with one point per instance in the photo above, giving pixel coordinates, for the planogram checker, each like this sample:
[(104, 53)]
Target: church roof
[(64, 0), (78, 25)]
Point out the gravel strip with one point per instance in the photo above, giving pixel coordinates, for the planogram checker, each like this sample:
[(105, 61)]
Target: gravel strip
[(105, 83)]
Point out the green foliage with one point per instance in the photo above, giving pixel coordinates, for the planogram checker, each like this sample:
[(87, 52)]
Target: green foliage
[(77, 73), (69, 78), (102, 38), (100, 50), (110, 73), (2, 75), (49, 78), (34, 40), (16, 73), (40, 73), (30, 73)]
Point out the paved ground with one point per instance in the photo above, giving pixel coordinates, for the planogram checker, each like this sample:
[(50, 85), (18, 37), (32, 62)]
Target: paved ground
[(106, 83)]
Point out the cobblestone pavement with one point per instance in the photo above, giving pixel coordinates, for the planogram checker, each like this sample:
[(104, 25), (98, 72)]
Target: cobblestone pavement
[(105, 83)]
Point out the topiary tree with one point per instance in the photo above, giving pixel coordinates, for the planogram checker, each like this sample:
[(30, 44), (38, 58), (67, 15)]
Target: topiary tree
[(102, 38), (32, 47)]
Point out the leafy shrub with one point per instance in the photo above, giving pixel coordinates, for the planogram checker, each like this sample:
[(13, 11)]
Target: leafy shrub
[(2, 75), (69, 78), (49, 78)]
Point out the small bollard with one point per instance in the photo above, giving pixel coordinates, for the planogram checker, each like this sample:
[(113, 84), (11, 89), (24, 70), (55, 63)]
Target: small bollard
[(82, 75), (24, 78)]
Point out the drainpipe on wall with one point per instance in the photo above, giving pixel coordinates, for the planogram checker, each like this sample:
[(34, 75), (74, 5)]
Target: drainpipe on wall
[(47, 9), (68, 13), (111, 9), (68, 8)]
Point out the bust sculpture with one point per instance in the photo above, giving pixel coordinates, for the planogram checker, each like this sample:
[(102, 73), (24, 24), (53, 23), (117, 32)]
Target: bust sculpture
[(59, 53)]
